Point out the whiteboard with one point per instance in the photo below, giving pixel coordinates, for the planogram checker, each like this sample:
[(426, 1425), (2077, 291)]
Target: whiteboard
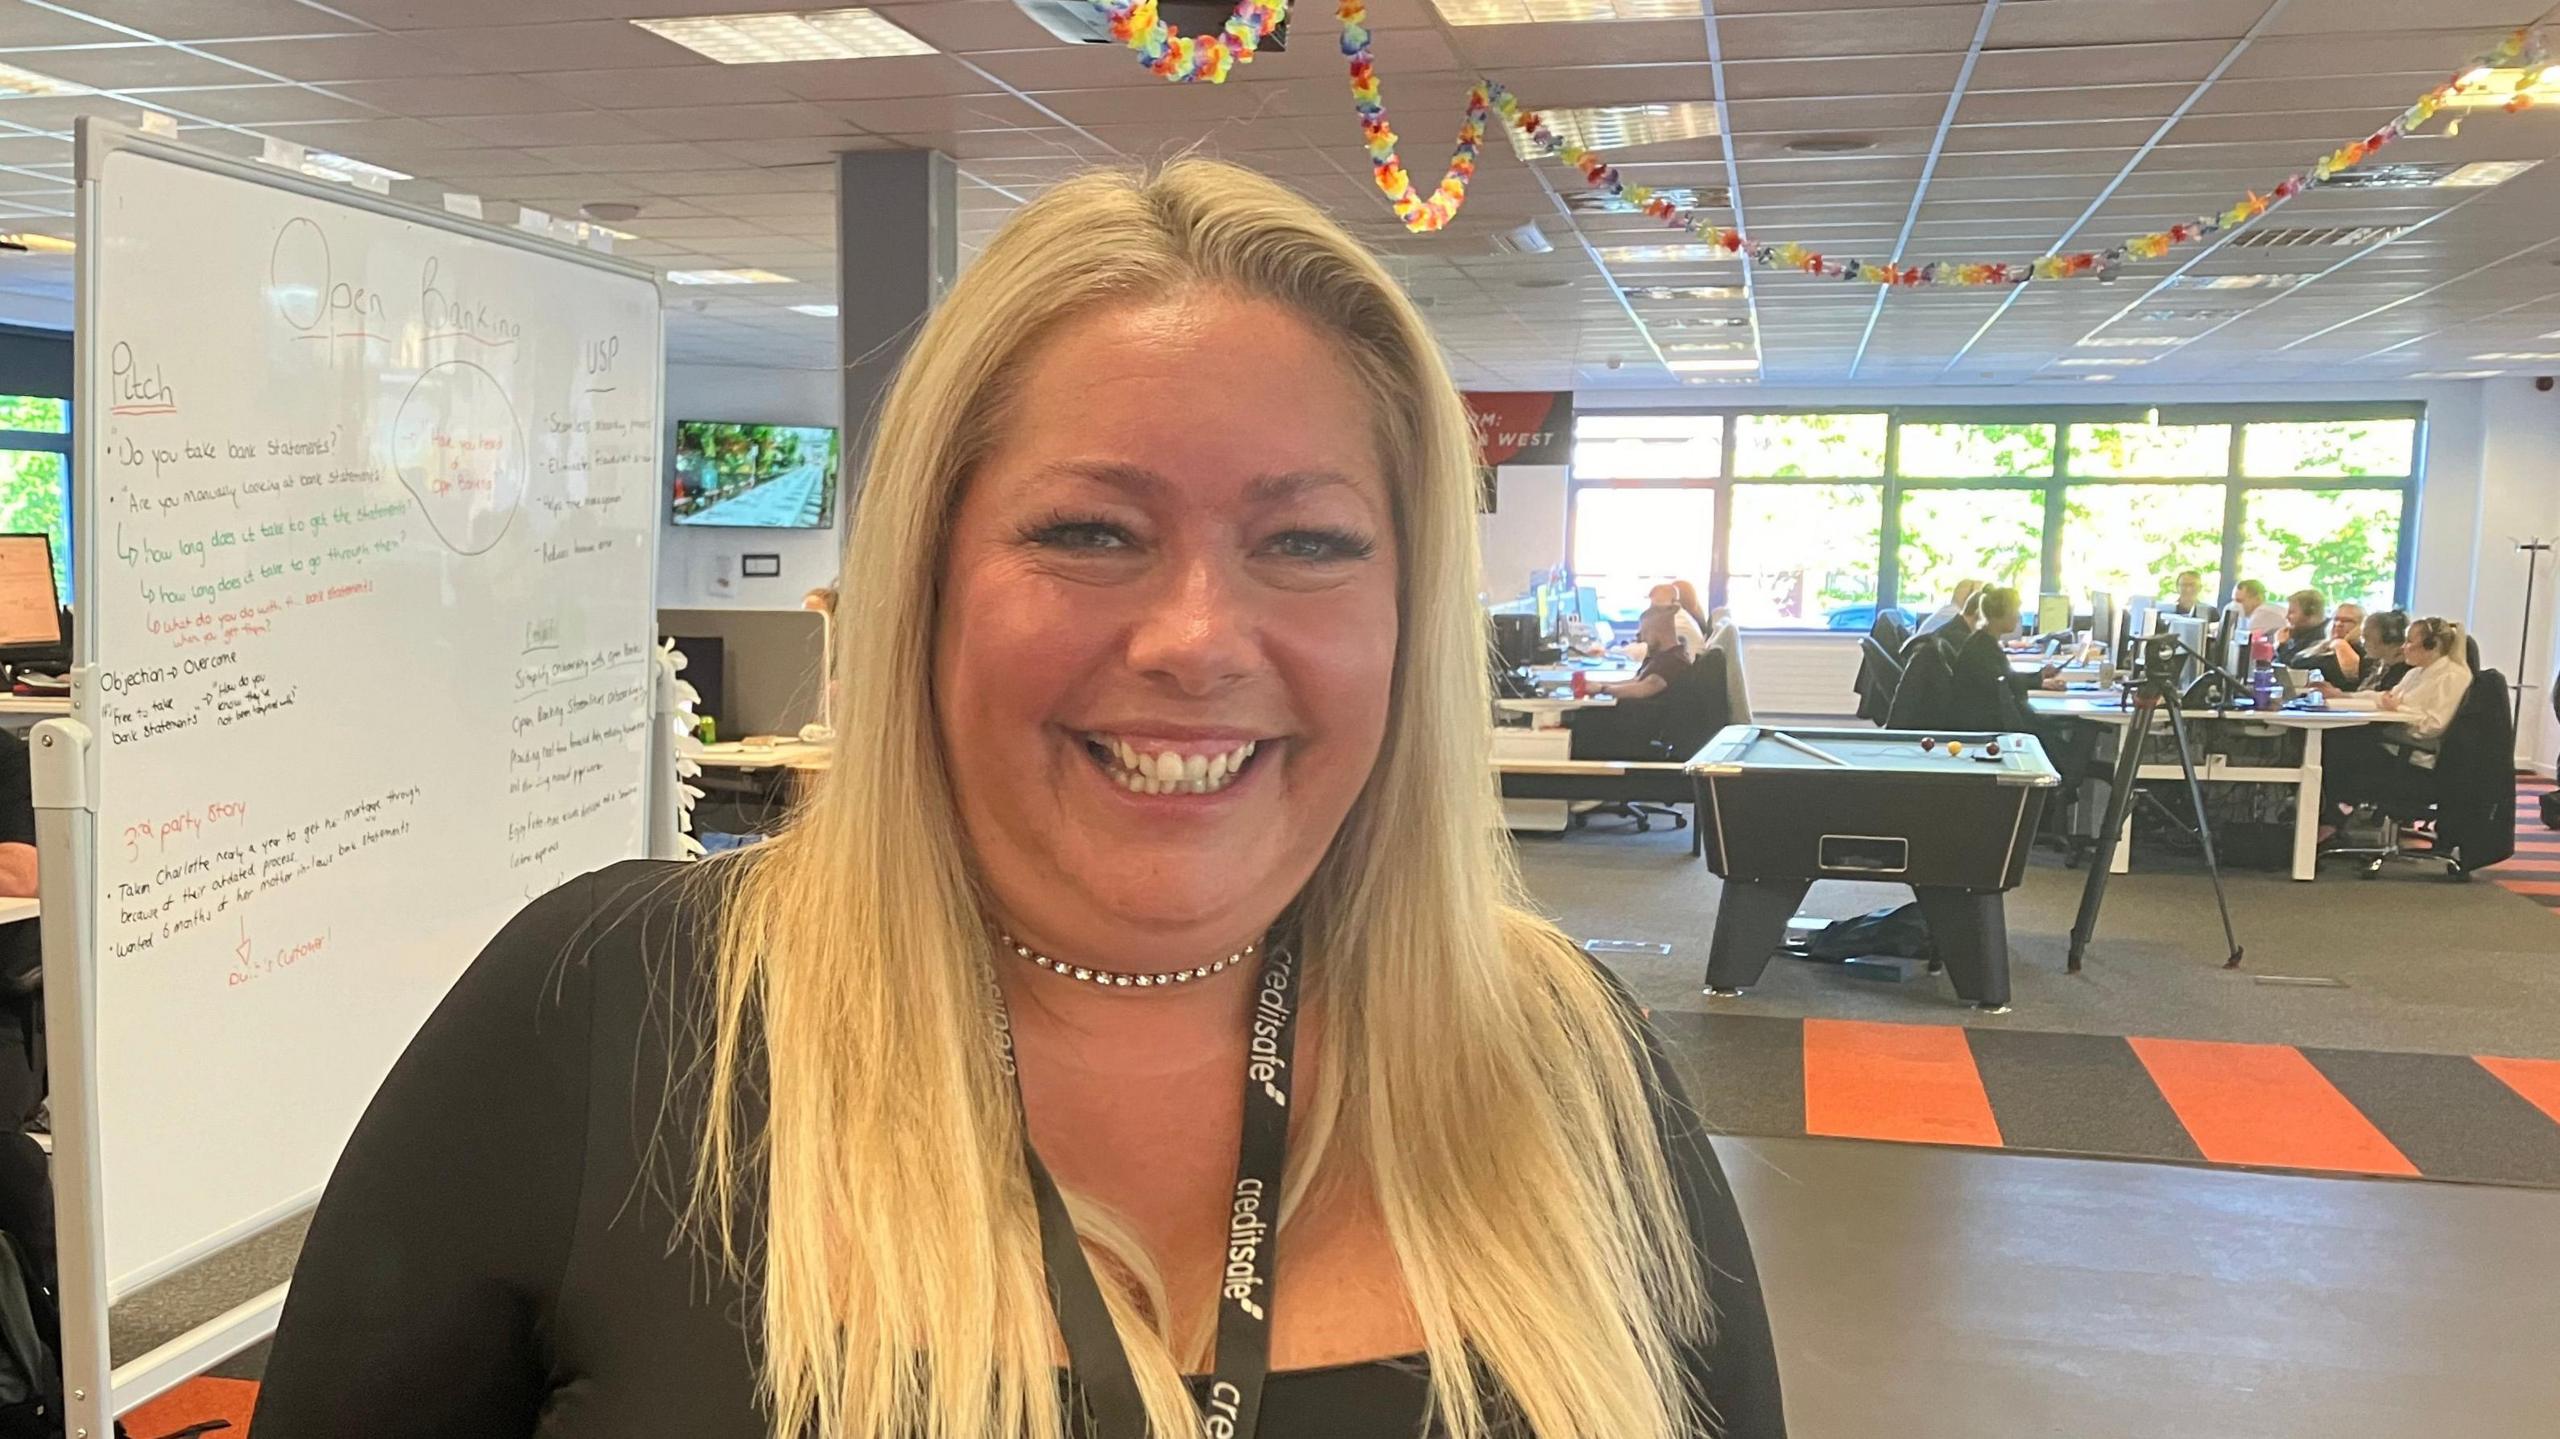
[(367, 518)]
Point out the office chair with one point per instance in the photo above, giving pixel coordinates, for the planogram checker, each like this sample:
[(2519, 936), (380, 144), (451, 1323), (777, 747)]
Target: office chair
[(2469, 796), (1698, 704), (1879, 675)]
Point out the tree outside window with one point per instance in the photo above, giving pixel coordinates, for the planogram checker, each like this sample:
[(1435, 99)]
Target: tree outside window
[(1626, 541), (1804, 556), (1812, 447), (2134, 539), (2323, 448), (1996, 536), (1976, 452), (2344, 543), (2149, 452)]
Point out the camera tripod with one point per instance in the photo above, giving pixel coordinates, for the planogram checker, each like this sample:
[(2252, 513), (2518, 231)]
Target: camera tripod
[(2150, 686)]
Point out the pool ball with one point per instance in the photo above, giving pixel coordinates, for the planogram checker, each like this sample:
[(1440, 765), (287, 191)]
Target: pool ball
[(1992, 748), (1928, 742), (1955, 747)]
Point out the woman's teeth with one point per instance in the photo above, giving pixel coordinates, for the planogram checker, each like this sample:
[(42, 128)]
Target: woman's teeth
[(1166, 772)]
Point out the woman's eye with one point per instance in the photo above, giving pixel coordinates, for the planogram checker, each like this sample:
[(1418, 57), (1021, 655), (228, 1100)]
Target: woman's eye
[(1320, 545), (1081, 535)]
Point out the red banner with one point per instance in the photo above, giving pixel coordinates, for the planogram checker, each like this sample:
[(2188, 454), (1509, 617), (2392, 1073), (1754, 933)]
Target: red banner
[(1522, 427)]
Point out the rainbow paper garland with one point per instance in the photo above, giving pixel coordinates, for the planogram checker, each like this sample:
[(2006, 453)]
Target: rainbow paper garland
[(2522, 46), (1419, 214), (1176, 56)]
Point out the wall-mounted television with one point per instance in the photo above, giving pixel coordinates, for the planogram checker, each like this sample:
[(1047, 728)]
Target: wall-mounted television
[(765, 477)]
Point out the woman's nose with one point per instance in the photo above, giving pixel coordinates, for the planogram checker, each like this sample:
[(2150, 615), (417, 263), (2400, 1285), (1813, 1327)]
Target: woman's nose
[(1199, 632)]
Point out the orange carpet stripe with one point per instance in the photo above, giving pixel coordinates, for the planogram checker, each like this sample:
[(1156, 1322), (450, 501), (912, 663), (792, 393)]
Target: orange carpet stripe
[(2538, 1080), (1911, 1082), (2265, 1104), (194, 1402), (2531, 886)]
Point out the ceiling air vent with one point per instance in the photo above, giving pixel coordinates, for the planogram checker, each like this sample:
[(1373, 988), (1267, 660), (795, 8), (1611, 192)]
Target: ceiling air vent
[(2392, 177), (2279, 237), (1687, 197), (1080, 23)]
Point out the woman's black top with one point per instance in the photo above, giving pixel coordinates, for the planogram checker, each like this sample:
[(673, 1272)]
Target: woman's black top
[(497, 1254)]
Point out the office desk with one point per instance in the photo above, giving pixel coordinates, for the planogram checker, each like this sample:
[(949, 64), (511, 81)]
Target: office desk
[(1612, 673), (14, 910), (23, 712), (2303, 775), (783, 754), (1550, 713)]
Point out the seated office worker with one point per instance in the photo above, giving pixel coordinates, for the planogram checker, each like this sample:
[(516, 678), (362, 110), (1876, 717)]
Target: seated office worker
[(1155, 736), (1986, 694), (2369, 760), (1688, 621), (2343, 642), (2380, 662), (2189, 600), (1956, 608), (1673, 701), (2249, 602), (2306, 626)]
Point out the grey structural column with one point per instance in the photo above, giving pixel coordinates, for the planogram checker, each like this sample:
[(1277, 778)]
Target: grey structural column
[(897, 252)]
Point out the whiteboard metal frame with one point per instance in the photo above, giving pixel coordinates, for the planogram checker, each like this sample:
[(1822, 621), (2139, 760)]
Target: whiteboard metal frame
[(65, 775)]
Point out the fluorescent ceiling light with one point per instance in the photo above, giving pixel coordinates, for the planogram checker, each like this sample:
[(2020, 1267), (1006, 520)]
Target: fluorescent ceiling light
[(1682, 347), (2097, 379), (2457, 374), (2480, 174), (2108, 363), (823, 312), (2231, 282), (1699, 367), (2522, 357), (726, 277), (37, 244), (1549, 12), (348, 170), (2487, 88), (2128, 342), (856, 34), (1670, 293), (1661, 254), (1621, 127), (15, 81)]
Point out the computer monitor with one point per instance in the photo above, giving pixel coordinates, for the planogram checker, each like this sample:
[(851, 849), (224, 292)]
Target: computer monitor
[(1515, 640), (2190, 631), (1586, 603), (2102, 617), (2232, 655), (2137, 618), (2053, 614), (31, 614)]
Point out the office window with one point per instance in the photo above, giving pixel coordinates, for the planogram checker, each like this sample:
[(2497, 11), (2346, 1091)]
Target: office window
[(35, 414), (2284, 450), (1804, 556), (1626, 541), (2344, 543), (35, 498), (2134, 539), (1648, 447), (1815, 447), (1996, 536), (1976, 452), (2138, 451)]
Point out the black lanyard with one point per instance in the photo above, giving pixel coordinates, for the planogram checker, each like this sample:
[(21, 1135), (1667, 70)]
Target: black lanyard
[(1100, 1366)]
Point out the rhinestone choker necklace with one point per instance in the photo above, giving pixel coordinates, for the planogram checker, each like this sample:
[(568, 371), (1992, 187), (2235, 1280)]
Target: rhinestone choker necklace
[(1114, 979)]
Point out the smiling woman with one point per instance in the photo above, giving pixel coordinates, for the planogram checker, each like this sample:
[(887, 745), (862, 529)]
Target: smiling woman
[(1162, 745)]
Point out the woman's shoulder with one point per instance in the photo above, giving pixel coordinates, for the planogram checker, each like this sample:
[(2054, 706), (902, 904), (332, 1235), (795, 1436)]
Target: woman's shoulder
[(611, 929)]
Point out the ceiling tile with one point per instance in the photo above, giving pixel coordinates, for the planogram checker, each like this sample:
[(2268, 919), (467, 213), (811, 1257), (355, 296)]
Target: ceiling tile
[(120, 67), (207, 19), (787, 120), (578, 45), (345, 57)]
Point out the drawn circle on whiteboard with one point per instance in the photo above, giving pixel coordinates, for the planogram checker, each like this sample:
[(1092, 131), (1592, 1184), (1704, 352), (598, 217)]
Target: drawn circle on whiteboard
[(460, 451), (298, 273)]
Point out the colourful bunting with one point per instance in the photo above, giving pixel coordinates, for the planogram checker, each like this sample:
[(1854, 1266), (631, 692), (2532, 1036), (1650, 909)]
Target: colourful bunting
[(2522, 46), (1173, 55), (1420, 213)]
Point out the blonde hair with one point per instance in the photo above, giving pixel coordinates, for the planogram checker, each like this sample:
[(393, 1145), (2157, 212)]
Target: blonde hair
[(1473, 1067), (2443, 636)]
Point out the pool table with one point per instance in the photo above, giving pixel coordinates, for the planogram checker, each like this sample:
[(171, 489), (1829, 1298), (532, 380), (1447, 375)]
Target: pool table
[(1950, 814)]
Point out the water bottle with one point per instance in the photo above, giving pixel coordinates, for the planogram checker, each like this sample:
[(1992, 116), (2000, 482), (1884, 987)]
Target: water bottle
[(2262, 670)]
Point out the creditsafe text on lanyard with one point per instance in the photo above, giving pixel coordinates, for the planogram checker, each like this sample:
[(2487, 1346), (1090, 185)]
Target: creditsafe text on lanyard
[(1233, 1409)]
